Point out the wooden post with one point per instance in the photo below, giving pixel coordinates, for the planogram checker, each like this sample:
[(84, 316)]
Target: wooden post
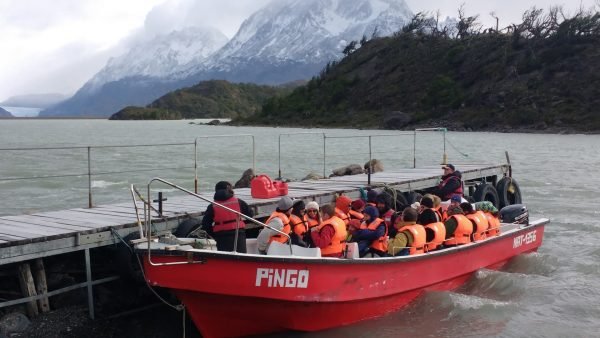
[(40, 284), (28, 288)]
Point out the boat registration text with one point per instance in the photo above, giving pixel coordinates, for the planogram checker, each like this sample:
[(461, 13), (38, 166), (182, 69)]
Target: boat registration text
[(527, 238)]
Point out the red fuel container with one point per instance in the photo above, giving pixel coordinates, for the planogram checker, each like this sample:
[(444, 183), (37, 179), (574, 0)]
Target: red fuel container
[(262, 186)]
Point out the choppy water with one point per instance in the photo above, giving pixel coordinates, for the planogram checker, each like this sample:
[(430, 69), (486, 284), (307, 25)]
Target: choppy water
[(552, 293)]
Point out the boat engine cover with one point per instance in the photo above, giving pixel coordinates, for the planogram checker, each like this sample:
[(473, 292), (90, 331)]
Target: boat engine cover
[(516, 214)]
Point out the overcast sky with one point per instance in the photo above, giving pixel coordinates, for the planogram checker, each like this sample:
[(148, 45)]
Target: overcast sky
[(54, 46)]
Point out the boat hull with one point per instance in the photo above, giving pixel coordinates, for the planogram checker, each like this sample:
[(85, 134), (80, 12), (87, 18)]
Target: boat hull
[(234, 295)]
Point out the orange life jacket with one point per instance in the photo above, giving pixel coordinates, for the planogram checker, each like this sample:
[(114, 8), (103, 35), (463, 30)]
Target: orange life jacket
[(342, 215), (387, 218), (462, 234), (381, 243), (286, 227), (438, 212), (338, 241), (356, 215), (494, 224), (299, 225), (419, 238), (439, 231), (312, 222), (224, 219), (480, 225)]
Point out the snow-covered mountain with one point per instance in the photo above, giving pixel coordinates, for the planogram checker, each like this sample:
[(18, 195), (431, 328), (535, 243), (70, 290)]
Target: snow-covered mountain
[(285, 41)]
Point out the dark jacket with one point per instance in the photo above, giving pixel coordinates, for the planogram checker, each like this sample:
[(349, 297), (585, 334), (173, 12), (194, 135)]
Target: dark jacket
[(453, 184), (209, 214), (428, 216)]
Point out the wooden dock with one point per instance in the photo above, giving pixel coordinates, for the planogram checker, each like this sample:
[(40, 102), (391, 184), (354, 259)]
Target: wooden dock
[(25, 238)]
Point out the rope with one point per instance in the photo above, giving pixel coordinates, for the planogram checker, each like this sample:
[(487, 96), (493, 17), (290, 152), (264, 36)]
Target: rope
[(455, 148), (178, 307)]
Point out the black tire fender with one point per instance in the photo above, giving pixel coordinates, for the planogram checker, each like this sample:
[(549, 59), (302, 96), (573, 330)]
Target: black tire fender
[(509, 192), (486, 192)]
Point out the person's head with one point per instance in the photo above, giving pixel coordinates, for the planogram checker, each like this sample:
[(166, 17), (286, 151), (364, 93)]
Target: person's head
[(427, 202), (358, 205), (455, 201), (343, 203), (383, 202), (299, 208), (455, 211), (327, 211), (312, 210), (285, 205), (370, 213), (467, 208), (409, 214), (371, 194), (436, 201), (223, 185), (448, 169)]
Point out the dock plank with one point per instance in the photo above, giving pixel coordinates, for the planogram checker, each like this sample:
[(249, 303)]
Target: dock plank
[(43, 222)]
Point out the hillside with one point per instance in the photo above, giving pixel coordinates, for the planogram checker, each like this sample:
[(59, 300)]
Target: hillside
[(541, 74), (208, 99), (4, 113)]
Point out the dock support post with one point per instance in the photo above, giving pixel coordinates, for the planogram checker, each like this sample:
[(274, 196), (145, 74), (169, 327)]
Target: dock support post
[(28, 288), (89, 160), (88, 273), (196, 166), (370, 162), (324, 154), (40, 284)]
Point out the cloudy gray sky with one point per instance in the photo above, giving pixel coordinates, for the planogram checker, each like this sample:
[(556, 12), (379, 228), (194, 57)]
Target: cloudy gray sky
[(55, 46)]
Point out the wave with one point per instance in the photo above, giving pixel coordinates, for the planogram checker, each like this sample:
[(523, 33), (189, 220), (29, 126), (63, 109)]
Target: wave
[(105, 184), (533, 264)]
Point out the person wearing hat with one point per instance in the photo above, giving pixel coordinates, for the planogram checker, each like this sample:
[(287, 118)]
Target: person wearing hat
[(342, 208), (451, 183), (221, 223), (410, 237), (299, 224), (427, 214), (313, 217), (386, 213), (458, 227), (372, 236), (371, 195), (330, 236), (278, 224)]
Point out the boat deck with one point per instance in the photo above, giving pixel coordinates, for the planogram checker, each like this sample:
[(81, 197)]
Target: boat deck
[(26, 237)]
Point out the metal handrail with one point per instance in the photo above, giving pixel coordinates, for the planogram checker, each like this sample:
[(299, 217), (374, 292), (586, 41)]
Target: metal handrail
[(148, 220), (299, 133), (218, 136)]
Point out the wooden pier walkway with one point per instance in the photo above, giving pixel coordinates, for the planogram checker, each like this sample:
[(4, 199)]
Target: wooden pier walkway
[(27, 237)]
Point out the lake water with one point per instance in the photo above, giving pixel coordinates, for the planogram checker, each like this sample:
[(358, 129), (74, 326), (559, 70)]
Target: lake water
[(552, 293)]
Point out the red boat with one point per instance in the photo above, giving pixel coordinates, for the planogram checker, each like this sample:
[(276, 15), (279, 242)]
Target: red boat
[(232, 294)]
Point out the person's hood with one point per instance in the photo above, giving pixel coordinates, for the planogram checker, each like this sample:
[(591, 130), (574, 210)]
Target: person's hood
[(222, 195)]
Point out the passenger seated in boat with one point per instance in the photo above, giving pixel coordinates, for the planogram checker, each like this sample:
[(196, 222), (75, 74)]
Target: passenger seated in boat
[(356, 208), (480, 222), (314, 219), (342, 208), (371, 195), (372, 236), (279, 220), (386, 213), (491, 213), (330, 235), (437, 206), (221, 223), (458, 228), (451, 183), (427, 214), (299, 224), (410, 237)]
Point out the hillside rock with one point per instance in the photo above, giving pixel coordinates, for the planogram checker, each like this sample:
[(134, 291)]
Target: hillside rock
[(351, 169)]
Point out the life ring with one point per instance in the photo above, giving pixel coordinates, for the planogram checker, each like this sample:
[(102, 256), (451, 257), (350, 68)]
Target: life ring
[(509, 192), (486, 192)]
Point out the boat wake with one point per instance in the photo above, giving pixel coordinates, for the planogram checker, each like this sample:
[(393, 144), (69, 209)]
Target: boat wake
[(533, 264)]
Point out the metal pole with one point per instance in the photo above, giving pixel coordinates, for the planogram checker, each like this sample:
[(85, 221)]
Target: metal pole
[(89, 177), (445, 158), (88, 273), (196, 166), (415, 149), (324, 154), (370, 166), (253, 155), (279, 156)]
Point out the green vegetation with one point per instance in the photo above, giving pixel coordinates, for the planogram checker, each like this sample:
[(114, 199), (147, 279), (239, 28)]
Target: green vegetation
[(543, 73), (208, 99)]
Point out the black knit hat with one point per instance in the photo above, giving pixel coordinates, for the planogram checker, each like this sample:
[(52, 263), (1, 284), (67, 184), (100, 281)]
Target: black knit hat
[(222, 185)]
